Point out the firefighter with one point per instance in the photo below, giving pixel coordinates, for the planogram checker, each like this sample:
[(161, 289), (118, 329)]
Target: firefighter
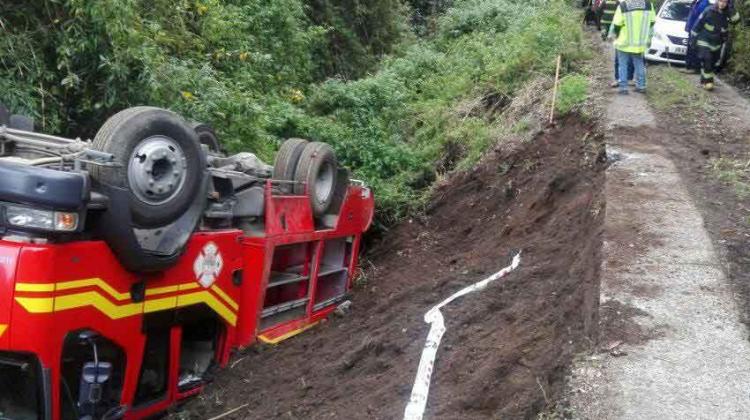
[(632, 26), (711, 33), (696, 9)]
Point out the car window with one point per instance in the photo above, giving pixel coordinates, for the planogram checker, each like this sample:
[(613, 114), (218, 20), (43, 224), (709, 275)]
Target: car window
[(675, 11)]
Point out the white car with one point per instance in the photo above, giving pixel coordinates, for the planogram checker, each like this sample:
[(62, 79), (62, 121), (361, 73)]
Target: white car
[(670, 40)]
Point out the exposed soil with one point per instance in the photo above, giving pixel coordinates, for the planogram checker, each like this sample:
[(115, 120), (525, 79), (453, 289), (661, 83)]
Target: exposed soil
[(507, 348), (617, 325)]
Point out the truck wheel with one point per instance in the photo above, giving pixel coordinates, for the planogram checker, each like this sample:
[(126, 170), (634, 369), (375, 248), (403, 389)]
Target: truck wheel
[(207, 136), (160, 163), (21, 122), (339, 194), (286, 162), (317, 170)]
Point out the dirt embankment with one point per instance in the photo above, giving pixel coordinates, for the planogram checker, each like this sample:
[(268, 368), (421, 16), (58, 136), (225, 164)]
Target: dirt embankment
[(507, 348)]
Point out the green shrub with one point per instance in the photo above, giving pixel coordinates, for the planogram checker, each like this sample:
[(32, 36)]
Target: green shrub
[(399, 128), (358, 33), (250, 68), (740, 59), (573, 91), (72, 63)]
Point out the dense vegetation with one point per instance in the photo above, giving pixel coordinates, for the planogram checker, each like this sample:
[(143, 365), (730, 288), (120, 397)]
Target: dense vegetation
[(740, 61), (378, 79)]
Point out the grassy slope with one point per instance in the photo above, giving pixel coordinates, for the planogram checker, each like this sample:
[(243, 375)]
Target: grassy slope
[(397, 127)]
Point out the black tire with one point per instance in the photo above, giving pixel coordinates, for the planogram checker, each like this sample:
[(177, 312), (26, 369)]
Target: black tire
[(4, 114), (207, 136), (131, 128), (285, 164), (317, 171), (339, 194), (21, 122)]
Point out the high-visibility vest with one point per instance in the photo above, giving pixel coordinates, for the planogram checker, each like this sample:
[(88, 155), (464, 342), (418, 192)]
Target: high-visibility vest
[(634, 20)]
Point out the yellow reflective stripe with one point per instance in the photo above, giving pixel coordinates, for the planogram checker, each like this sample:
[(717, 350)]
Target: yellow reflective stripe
[(156, 305), (3, 327), (290, 334), (69, 285), (78, 284), (114, 311), (708, 27), (170, 289), (35, 287), (211, 301), (629, 24), (189, 286), (98, 301), (162, 290), (37, 305), (708, 45), (645, 29), (226, 297)]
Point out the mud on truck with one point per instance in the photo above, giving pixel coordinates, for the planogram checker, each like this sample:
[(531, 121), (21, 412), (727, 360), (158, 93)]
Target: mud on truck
[(131, 266)]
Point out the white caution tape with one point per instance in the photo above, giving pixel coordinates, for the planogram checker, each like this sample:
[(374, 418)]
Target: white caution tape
[(418, 401)]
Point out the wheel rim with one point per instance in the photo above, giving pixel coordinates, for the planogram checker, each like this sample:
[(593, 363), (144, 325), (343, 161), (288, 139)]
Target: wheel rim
[(156, 170), (324, 183)]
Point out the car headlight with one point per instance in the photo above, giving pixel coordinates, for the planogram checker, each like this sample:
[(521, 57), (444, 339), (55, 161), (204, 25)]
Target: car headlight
[(659, 36), (25, 217)]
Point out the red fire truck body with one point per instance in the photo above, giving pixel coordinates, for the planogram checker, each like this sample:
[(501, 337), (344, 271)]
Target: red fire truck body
[(228, 288)]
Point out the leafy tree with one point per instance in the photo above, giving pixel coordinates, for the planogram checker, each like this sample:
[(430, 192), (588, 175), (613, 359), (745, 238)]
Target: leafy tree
[(358, 32), (72, 63)]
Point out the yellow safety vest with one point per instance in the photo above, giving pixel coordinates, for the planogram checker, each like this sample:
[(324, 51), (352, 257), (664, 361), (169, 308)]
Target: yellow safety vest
[(634, 19)]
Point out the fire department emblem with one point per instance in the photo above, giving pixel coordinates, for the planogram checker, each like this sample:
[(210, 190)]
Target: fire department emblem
[(207, 265)]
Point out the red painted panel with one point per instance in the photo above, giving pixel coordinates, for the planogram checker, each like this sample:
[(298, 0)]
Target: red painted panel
[(67, 287), (8, 258)]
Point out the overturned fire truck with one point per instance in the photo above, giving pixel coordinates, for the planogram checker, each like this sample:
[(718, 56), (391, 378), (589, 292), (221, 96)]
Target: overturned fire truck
[(132, 266)]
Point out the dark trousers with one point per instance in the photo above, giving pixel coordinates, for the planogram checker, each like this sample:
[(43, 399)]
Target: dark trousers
[(707, 60), (631, 69), (691, 57)]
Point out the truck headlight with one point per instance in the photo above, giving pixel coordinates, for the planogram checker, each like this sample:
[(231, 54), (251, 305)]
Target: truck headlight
[(26, 217)]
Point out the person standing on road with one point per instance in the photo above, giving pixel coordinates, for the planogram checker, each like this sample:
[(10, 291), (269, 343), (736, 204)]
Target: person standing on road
[(632, 25), (606, 12), (711, 33)]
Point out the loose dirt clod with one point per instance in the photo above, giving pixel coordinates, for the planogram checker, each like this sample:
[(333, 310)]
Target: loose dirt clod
[(506, 349)]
